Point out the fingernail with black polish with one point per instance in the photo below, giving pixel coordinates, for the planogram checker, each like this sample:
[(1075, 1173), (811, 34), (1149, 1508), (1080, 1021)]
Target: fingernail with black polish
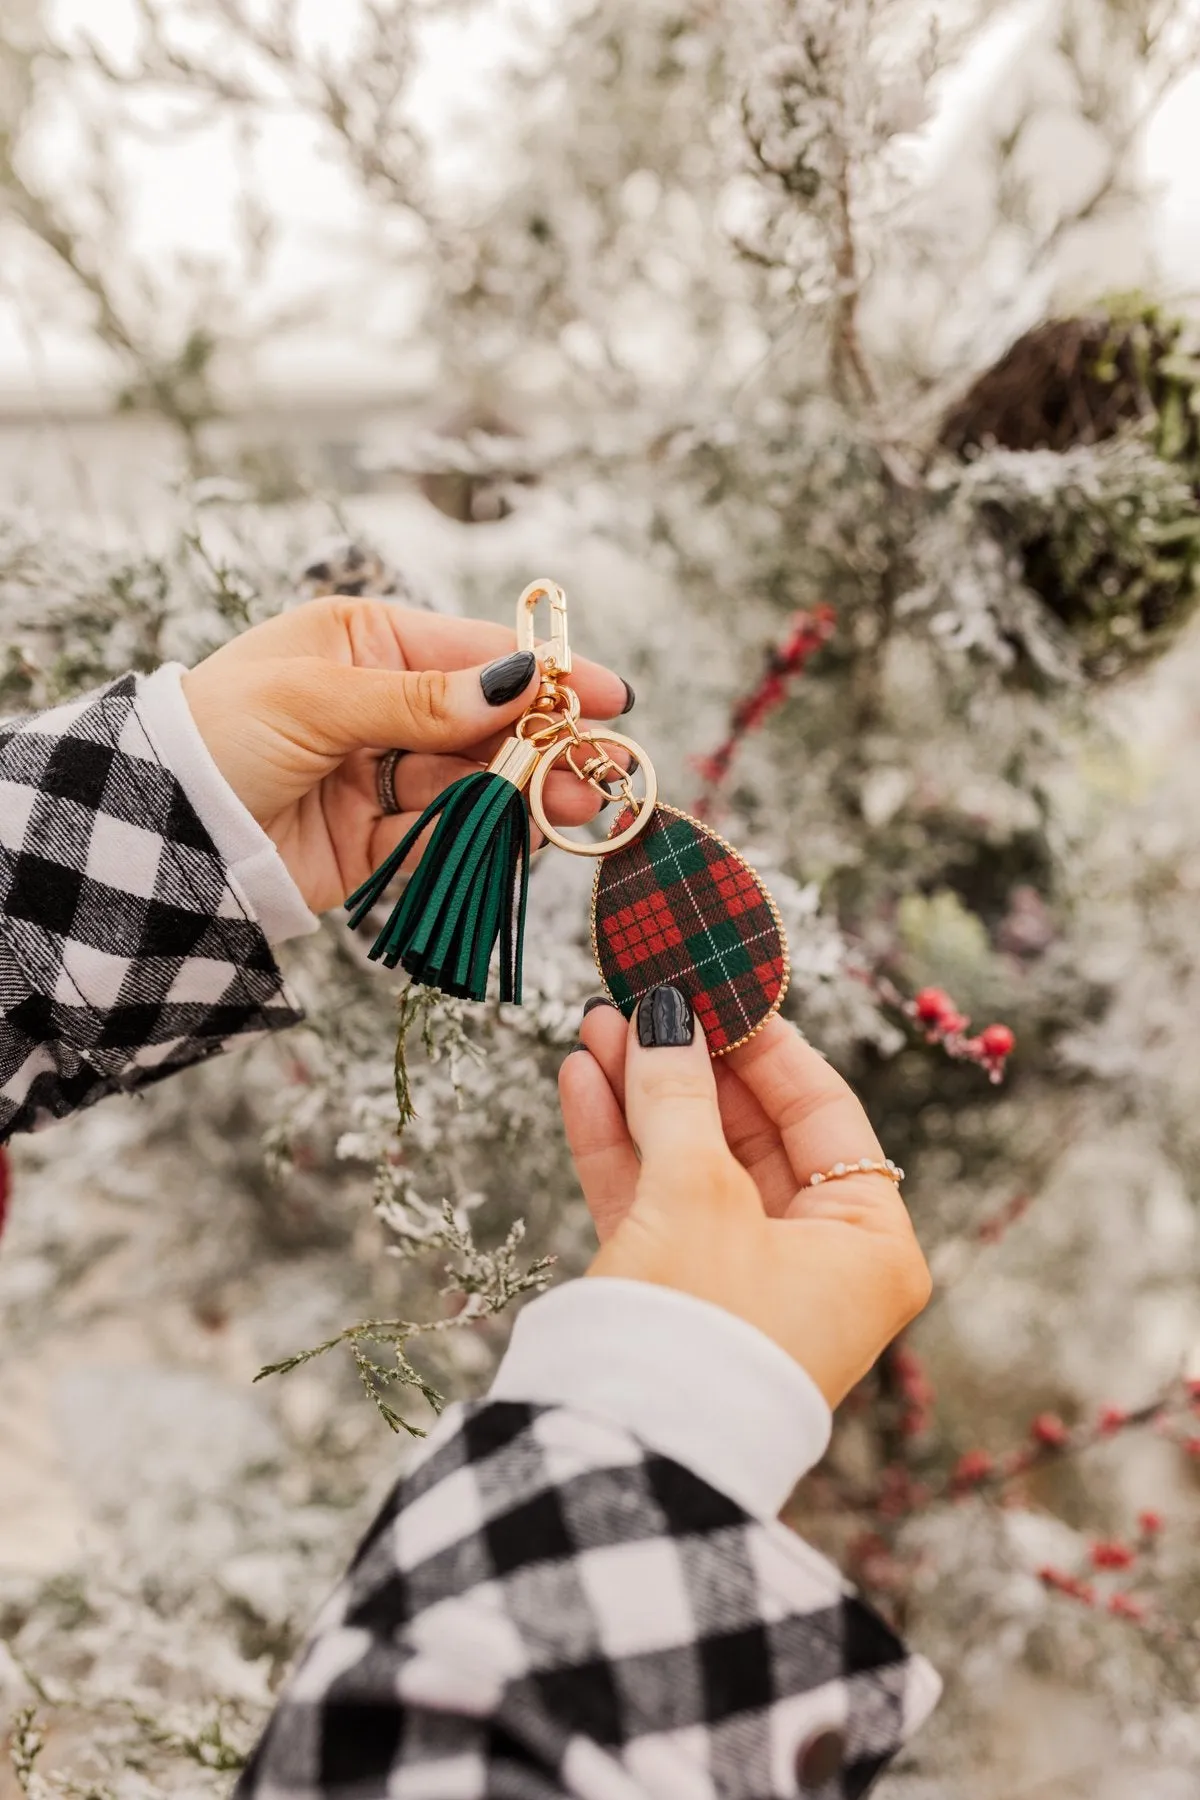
[(576, 1046), (664, 1019), (630, 699), (507, 677), (596, 1000)]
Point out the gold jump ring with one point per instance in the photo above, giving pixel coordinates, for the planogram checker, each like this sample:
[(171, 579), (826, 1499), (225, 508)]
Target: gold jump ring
[(605, 846)]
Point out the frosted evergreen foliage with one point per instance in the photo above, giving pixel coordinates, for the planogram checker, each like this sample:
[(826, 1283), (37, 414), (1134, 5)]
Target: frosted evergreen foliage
[(663, 354)]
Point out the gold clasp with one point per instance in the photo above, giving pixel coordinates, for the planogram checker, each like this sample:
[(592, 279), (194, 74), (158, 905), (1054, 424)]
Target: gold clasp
[(556, 657), (551, 732)]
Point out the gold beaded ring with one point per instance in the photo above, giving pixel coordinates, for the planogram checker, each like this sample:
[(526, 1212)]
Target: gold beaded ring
[(864, 1166)]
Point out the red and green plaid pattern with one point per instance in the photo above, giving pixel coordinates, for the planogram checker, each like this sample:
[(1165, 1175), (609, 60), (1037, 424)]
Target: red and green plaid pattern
[(679, 905)]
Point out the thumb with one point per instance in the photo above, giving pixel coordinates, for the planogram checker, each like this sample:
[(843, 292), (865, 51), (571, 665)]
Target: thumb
[(338, 707), (670, 1090)]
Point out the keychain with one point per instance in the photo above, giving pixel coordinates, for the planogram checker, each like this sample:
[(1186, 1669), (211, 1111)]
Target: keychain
[(671, 902)]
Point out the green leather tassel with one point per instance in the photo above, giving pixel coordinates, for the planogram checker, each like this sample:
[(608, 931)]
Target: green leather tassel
[(468, 891)]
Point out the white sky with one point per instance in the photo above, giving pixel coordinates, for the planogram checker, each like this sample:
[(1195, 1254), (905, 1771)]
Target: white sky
[(185, 194)]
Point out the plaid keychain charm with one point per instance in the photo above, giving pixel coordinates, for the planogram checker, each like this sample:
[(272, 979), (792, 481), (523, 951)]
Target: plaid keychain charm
[(672, 902), (680, 905)]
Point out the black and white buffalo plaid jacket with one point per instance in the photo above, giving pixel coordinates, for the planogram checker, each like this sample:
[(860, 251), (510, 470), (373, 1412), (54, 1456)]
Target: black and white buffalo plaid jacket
[(581, 1588)]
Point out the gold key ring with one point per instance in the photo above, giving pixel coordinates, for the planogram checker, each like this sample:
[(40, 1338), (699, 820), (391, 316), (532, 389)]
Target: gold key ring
[(554, 754)]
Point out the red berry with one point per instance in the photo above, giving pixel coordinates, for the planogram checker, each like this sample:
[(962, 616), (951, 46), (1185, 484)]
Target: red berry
[(1110, 1553), (933, 1005), (1150, 1523), (1111, 1418), (1049, 1429), (1192, 1446), (1062, 1583), (972, 1466), (997, 1041), (1127, 1606), (912, 1378)]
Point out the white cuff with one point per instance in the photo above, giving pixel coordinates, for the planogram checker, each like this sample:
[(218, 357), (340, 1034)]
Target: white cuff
[(241, 842), (685, 1377)]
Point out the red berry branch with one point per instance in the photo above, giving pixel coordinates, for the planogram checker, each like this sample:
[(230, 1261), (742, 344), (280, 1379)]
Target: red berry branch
[(1099, 1579), (913, 1388), (994, 1229), (1120, 1603), (940, 1022), (933, 1010), (1115, 1555), (1111, 1553), (1049, 1439), (807, 633)]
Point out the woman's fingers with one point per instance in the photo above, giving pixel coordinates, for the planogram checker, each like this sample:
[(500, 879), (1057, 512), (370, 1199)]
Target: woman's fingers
[(332, 708), (751, 1136), (419, 778), (487, 747), (605, 1030), (377, 634), (282, 707), (433, 640), (754, 1140), (670, 1091), (827, 1293), (821, 1123), (818, 1116), (275, 728), (784, 1113), (601, 1147)]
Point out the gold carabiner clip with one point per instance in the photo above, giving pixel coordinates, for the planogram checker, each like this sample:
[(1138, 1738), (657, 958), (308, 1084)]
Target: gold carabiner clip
[(550, 729), (556, 656)]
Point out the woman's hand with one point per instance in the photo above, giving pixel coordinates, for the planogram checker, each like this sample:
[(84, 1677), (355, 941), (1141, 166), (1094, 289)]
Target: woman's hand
[(297, 712), (696, 1174)]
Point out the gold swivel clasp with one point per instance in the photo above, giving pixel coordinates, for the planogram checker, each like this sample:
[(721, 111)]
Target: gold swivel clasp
[(556, 655), (550, 728)]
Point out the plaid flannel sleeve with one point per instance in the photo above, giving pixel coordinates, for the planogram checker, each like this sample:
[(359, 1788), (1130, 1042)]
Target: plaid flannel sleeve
[(547, 1607), (126, 949)]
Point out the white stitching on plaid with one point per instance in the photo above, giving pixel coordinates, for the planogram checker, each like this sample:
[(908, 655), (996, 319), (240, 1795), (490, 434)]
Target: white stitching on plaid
[(633, 874)]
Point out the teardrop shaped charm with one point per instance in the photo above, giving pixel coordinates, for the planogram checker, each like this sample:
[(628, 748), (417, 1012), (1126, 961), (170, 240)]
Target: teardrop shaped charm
[(680, 905)]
